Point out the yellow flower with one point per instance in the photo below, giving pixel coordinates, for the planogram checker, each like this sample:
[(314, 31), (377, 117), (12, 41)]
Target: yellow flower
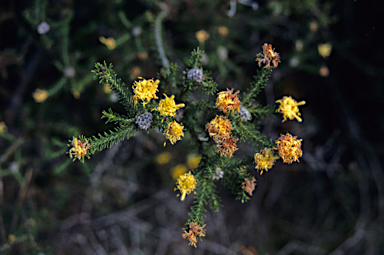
[(202, 36), (11, 238), (219, 127), (109, 42), (174, 132), (79, 149), (193, 161), (40, 95), (178, 170), (168, 107), (324, 49), (289, 148), (186, 183), (265, 160), (164, 158), (145, 90), (226, 101), (268, 56), (289, 108), (3, 127), (107, 89)]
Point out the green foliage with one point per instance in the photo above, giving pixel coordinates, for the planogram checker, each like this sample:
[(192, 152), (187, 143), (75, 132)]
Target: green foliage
[(106, 75), (108, 139), (259, 83)]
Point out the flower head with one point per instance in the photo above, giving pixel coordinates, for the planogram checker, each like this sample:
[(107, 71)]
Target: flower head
[(144, 120), (223, 30), (202, 36), (268, 56), (324, 49), (109, 42), (186, 183), (289, 148), (168, 107), (227, 101), (145, 90), (196, 74), (226, 146), (289, 108), (219, 173), (40, 95), (43, 28), (79, 149), (219, 127), (164, 158), (249, 185), (174, 132), (193, 161), (194, 232), (265, 160), (191, 237), (245, 115)]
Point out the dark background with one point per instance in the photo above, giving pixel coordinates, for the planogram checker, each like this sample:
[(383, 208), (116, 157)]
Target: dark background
[(121, 201)]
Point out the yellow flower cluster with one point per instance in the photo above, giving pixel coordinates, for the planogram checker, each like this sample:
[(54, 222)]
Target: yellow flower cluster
[(265, 160), (194, 231), (186, 183), (268, 56), (227, 101), (289, 148), (40, 95), (174, 132), (145, 90), (79, 149), (168, 107), (289, 108)]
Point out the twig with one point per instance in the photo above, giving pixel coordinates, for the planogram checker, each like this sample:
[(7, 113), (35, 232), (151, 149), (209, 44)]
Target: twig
[(21, 196), (11, 150), (158, 37)]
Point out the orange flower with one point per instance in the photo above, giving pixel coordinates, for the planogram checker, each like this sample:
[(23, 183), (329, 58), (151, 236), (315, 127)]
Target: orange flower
[(227, 101), (227, 146), (289, 148), (268, 56), (194, 232), (249, 185), (219, 127)]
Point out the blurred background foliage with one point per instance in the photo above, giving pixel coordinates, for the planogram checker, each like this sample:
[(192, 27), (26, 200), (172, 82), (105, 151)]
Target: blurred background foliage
[(122, 200)]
